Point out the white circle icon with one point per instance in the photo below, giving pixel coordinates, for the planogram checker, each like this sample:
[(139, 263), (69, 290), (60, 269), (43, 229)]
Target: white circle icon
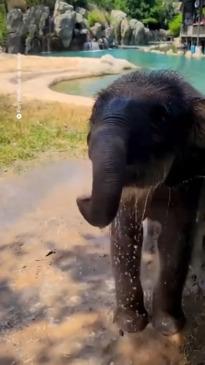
[(18, 116)]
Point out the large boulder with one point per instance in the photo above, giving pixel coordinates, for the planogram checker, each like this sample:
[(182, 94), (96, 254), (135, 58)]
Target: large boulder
[(81, 11), (97, 31), (35, 22), (64, 21), (160, 35), (61, 7), (110, 36), (126, 32), (81, 23), (116, 19), (26, 31), (138, 36), (15, 31)]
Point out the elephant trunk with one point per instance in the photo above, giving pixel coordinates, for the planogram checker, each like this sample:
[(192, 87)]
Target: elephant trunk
[(107, 149)]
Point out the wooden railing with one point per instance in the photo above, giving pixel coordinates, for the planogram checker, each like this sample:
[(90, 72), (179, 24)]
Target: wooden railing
[(193, 30)]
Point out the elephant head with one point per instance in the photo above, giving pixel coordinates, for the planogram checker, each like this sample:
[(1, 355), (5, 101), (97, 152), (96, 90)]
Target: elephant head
[(135, 141)]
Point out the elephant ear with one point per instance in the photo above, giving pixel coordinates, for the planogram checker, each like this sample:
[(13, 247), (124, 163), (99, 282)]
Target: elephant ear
[(198, 133)]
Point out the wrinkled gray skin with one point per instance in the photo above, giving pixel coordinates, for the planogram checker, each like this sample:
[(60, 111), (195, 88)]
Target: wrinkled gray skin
[(147, 134)]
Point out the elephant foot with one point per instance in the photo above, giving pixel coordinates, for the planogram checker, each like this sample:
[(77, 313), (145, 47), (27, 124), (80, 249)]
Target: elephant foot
[(130, 321), (168, 325)]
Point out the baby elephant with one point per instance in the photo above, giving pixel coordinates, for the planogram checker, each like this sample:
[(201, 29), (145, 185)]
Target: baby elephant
[(147, 147)]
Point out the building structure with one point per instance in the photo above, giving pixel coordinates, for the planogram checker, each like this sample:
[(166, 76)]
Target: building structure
[(193, 24)]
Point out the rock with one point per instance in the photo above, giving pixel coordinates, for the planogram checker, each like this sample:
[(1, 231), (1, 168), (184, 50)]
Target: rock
[(97, 31), (109, 35), (26, 32), (116, 19), (188, 54), (15, 21), (91, 45), (35, 21), (81, 23), (81, 11), (163, 35), (79, 39), (64, 21), (61, 7), (138, 33), (79, 18), (160, 35), (126, 32), (15, 31), (115, 65)]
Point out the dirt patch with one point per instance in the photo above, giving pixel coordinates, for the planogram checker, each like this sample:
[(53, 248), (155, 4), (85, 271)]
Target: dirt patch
[(57, 309)]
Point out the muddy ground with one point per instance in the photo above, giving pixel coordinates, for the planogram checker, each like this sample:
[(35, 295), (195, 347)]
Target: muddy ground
[(56, 285)]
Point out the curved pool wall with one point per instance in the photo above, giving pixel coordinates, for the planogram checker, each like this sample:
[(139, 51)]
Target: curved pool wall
[(192, 69)]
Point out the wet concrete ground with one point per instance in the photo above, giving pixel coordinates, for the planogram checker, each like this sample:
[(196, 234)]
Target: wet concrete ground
[(56, 285)]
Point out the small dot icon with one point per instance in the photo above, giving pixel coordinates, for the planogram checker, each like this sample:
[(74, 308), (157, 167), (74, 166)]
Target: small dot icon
[(18, 116)]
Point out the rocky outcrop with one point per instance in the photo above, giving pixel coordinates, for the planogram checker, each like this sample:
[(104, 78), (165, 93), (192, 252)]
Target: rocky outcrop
[(36, 29), (15, 31), (64, 21), (97, 31), (116, 19), (126, 32), (109, 35), (70, 26), (35, 22), (138, 32), (26, 31)]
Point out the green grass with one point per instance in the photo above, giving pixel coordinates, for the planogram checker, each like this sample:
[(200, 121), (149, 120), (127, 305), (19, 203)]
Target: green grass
[(43, 127)]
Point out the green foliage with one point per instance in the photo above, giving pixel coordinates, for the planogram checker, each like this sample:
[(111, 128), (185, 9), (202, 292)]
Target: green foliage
[(139, 9), (175, 25), (121, 5), (97, 16), (3, 31), (51, 3), (163, 12), (154, 13), (150, 22)]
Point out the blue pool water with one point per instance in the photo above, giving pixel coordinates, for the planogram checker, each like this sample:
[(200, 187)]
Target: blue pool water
[(192, 69)]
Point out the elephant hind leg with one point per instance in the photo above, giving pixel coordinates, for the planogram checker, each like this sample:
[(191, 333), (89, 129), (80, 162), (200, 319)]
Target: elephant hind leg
[(175, 248), (126, 244)]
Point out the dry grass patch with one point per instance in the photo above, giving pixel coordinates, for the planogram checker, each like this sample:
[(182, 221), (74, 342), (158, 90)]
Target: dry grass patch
[(44, 127)]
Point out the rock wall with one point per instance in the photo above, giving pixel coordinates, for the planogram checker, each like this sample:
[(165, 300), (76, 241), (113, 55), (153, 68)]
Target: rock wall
[(37, 29)]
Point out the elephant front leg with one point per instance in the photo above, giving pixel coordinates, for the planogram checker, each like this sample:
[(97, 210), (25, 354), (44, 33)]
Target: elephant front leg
[(126, 244)]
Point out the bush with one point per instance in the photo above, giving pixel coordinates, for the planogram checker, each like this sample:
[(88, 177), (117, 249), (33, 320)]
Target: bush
[(97, 16), (3, 30), (175, 25), (151, 23)]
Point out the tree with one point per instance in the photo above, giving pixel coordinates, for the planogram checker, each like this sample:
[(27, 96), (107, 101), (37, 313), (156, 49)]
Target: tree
[(175, 25), (162, 11)]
